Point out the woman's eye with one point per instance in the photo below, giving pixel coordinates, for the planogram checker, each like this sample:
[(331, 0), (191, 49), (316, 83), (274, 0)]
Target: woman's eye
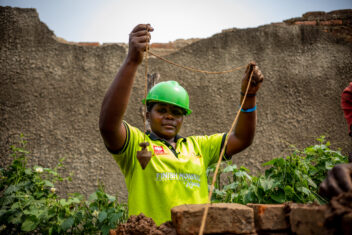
[(161, 110), (176, 112)]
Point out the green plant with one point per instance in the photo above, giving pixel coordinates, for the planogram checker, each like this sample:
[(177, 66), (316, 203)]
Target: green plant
[(29, 202), (238, 182), (294, 178)]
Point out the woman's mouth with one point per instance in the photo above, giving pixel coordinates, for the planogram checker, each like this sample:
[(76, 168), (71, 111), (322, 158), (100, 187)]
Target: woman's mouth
[(169, 126)]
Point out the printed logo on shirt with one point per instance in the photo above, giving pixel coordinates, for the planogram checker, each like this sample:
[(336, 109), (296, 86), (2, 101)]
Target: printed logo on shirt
[(158, 150), (190, 180)]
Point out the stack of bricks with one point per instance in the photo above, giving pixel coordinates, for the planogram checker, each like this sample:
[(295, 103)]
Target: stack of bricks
[(263, 219), (339, 22)]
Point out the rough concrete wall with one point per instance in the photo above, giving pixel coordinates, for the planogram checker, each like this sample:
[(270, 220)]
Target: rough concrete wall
[(52, 92)]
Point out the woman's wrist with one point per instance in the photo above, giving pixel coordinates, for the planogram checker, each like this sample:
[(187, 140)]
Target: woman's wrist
[(248, 94), (250, 110), (250, 101)]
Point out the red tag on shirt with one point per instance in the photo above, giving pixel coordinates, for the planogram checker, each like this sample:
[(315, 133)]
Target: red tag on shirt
[(158, 150)]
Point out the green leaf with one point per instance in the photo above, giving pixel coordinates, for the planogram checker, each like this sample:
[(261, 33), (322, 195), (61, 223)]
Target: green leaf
[(28, 171), (73, 200), (15, 206), (51, 229), (2, 212), (298, 173), (105, 229), (29, 224), (16, 219), (102, 216), (79, 216), (67, 224), (249, 197), (113, 218), (288, 189), (11, 189), (304, 190), (230, 168), (311, 183), (271, 162), (231, 186), (279, 197), (266, 184), (63, 202), (48, 183), (93, 197), (111, 198), (242, 174)]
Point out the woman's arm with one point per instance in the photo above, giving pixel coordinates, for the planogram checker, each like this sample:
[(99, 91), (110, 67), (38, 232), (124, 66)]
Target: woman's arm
[(244, 131), (116, 98)]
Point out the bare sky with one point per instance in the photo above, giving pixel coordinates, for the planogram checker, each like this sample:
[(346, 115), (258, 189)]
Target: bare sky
[(112, 20)]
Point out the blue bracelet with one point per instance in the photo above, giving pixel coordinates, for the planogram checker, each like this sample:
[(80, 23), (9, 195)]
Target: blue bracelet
[(249, 110)]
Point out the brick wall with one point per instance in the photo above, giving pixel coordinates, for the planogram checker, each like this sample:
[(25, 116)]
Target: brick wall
[(263, 219), (339, 23)]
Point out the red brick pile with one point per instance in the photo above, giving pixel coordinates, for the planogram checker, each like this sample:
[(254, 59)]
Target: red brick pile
[(231, 218)]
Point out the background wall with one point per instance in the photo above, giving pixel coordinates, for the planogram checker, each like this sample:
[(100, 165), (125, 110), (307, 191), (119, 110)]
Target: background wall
[(51, 90)]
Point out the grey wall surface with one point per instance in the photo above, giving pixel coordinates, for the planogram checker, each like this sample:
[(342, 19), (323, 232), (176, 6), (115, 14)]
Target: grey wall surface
[(52, 92)]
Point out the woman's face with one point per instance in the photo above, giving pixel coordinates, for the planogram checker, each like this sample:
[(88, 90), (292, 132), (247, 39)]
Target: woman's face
[(165, 120)]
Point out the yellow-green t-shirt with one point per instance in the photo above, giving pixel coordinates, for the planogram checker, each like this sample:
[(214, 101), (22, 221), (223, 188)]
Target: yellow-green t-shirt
[(172, 177)]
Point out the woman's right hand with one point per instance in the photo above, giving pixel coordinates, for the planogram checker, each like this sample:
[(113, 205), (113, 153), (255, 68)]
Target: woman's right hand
[(138, 41)]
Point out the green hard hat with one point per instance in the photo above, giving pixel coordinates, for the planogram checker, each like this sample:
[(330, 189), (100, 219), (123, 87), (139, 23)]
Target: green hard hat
[(170, 92)]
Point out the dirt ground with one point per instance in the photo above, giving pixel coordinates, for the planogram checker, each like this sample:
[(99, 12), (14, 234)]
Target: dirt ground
[(142, 225)]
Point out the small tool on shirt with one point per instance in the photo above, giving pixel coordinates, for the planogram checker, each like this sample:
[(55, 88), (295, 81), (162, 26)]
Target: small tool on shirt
[(144, 155)]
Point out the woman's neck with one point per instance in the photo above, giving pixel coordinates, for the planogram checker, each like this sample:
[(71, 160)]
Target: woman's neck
[(170, 141)]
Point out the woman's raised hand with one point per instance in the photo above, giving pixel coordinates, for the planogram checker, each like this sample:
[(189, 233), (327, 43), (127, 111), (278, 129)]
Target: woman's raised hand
[(138, 40), (257, 79)]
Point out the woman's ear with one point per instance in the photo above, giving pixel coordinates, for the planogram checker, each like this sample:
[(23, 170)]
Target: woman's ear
[(147, 115)]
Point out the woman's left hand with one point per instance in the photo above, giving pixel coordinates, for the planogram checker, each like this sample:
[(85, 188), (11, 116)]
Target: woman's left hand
[(257, 79)]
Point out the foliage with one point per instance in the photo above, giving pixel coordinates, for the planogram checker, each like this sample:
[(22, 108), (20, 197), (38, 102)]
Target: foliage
[(29, 202), (294, 178)]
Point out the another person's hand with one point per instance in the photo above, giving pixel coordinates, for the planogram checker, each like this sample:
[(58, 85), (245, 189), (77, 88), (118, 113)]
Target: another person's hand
[(257, 79), (138, 40), (339, 180)]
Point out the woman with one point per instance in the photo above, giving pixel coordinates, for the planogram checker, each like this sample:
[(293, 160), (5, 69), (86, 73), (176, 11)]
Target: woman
[(175, 174)]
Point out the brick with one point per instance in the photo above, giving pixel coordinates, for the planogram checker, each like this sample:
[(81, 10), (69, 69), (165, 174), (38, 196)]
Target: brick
[(331, 22), (112, 232), (162, 45), (224, 218), (308, 219), (313, 14), (269, 217), (89, 43), (308, 22)]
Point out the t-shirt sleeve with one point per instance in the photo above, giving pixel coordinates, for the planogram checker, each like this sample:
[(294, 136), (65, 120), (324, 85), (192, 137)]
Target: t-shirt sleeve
[(126, 158), (346, 105), (210, 147)]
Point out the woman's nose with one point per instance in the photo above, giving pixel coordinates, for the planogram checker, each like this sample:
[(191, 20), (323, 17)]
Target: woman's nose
[(169, 115)]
